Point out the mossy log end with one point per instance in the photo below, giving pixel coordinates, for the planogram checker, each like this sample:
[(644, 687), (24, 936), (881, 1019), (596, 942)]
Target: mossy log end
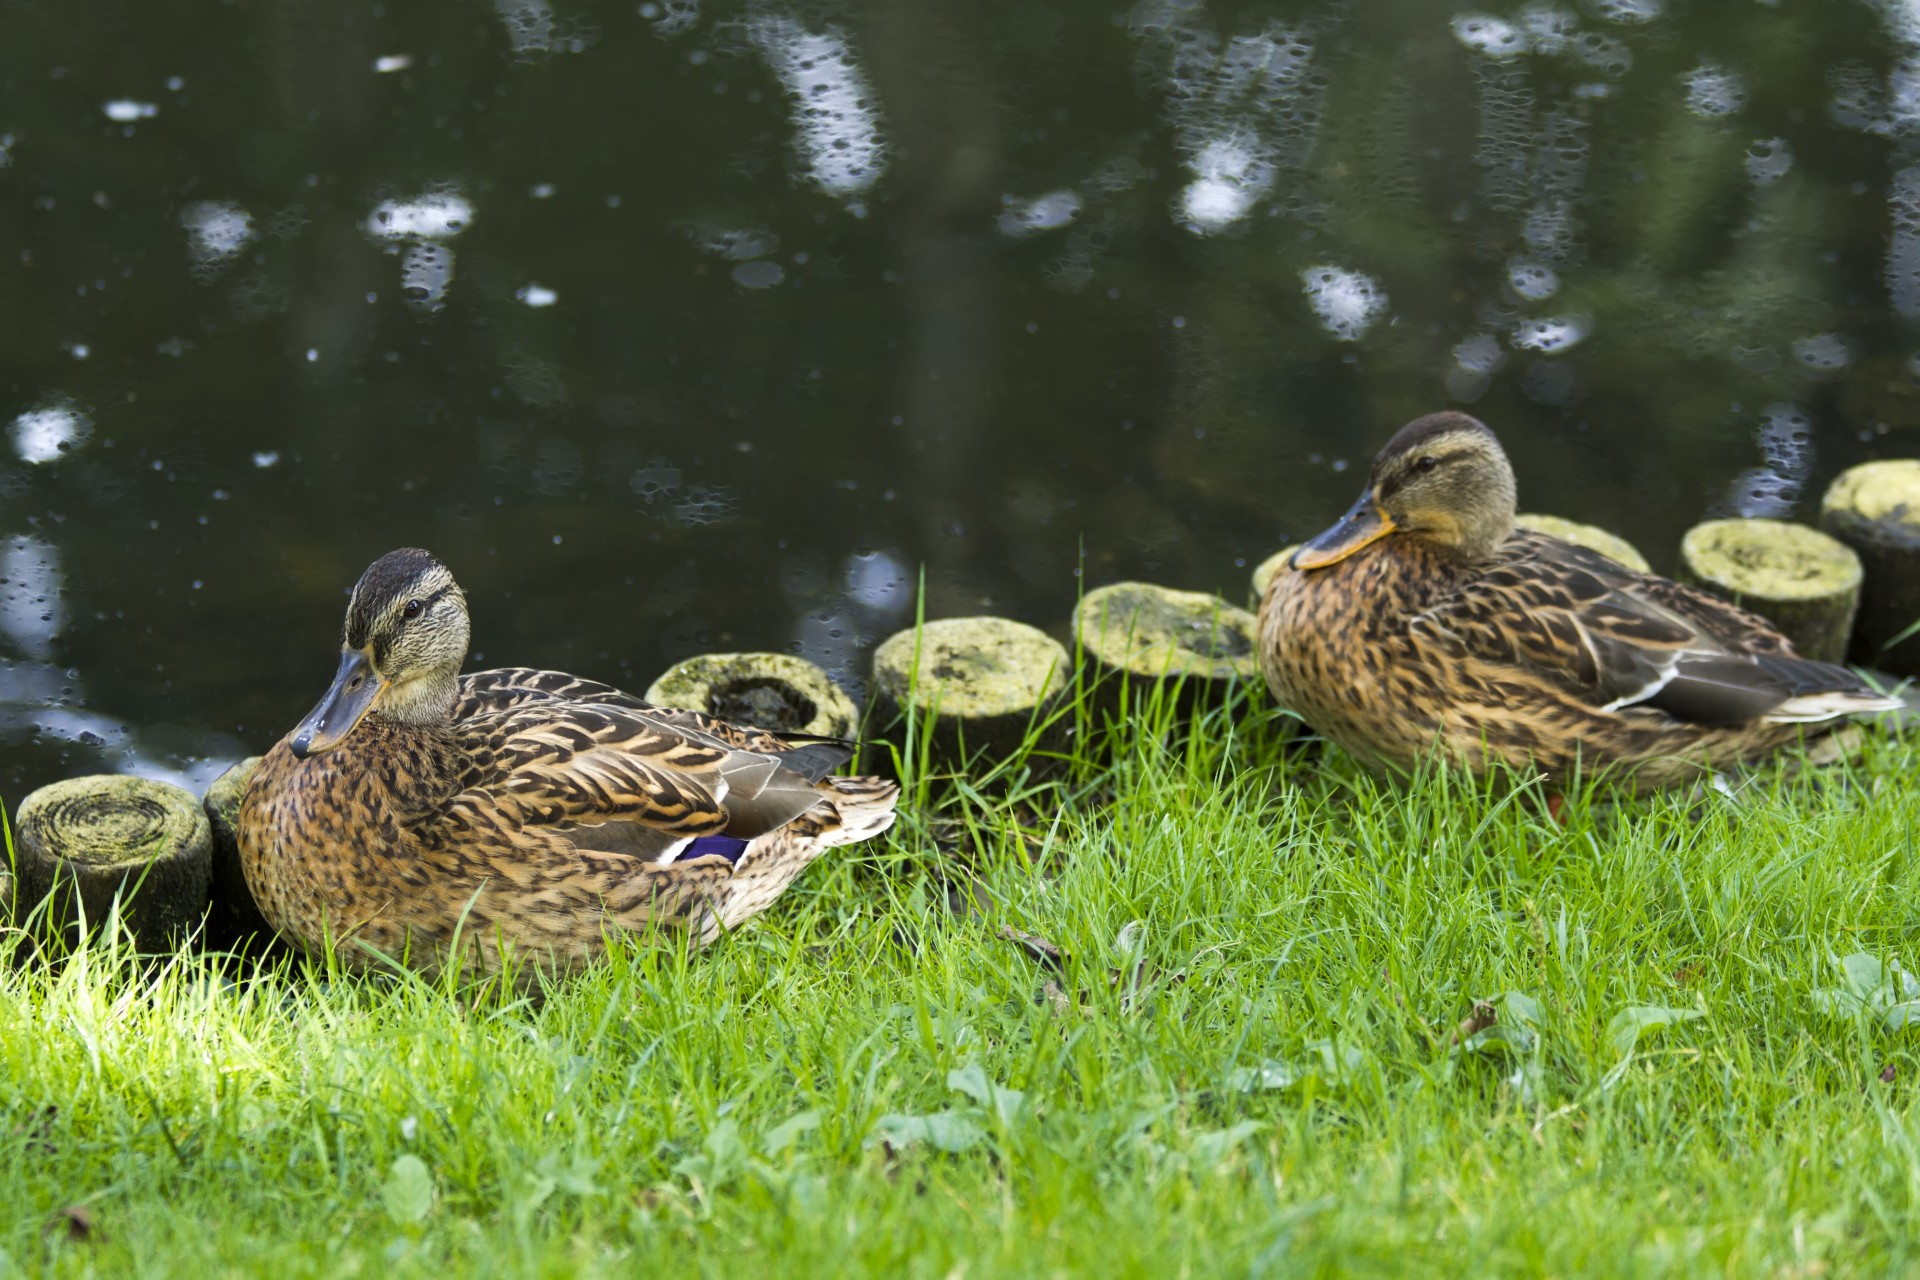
[(87, 839), (1146, 633), (1875, 509), (1592, 537), (985, 682), (1799, 579), (1265, 572), (234, 918), (766, 690)]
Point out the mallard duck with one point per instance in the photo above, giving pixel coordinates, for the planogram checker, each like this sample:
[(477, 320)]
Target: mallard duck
[(417, 812), (1424, 618)]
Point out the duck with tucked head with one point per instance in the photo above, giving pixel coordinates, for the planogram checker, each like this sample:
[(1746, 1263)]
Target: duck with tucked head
[(417, 813), (1426, 619)]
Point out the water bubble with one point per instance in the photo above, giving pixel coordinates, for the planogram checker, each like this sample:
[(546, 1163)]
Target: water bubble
[(1551, 335), (1346, 302), (1229, 176), (386, 64), (1549, 28), (1608, 53), (50, 432), (837, 126), (536, 295), (266, 458)]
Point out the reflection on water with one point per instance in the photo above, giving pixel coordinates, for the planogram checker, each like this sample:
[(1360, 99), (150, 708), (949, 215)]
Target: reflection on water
[(678, 326)]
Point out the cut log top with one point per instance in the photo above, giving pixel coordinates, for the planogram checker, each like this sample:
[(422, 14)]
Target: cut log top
[(85, 842), (1887, 491), (104, 820), (1592, 537), (1770, 559), (766, 690), (1149, 631), (1799, 579), (974, 668)]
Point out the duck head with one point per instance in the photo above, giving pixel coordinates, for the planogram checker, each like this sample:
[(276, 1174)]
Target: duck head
[(400, 651), (1442, 479)]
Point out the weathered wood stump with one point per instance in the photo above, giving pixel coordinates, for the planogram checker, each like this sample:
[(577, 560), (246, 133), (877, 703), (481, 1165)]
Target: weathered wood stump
[(975, 686), (1875, 509), (766, 690), (85, 841), (1591, 536), (1143, 634), (1265, 572), (1799, 579), (234, 920)]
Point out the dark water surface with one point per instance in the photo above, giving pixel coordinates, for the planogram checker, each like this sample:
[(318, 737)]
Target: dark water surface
[(681, 325)]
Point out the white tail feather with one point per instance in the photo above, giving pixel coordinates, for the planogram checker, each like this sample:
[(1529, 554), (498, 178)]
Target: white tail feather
[(1813, 707)]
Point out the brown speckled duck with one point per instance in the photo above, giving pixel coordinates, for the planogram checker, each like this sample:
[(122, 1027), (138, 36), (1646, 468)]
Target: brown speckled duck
[(1425, 618), (519, 808)]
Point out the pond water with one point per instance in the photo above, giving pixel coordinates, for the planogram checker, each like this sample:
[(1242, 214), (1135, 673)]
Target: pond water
[(678, 326)]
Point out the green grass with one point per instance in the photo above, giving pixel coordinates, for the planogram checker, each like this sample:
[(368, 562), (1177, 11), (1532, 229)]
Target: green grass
[(1248, 1060)]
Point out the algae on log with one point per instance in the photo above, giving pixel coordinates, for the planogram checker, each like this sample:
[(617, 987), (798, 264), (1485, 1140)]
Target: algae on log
[(1592, 537), (1265, 572), (85, 840), (975, 685), (235, 917), (766, 690), (1799, 579), (1146, 633), (1875, 509)]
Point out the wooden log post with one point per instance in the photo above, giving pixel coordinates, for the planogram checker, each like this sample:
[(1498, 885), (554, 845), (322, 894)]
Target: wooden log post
[(234, 921), (766, 690), (977, 687), (1875, 509), (1799, 579), (1590, 536), (1142, 634), (84, 842)]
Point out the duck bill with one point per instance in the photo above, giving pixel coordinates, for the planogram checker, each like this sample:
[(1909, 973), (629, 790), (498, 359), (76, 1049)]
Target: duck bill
[(1364, 524), (355, 686)]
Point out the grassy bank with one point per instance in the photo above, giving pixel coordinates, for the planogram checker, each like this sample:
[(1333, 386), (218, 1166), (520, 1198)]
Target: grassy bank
[(1299, 1021)]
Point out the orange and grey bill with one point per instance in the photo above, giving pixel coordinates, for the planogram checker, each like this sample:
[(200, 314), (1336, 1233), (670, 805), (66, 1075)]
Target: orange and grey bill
[(1363, 524)]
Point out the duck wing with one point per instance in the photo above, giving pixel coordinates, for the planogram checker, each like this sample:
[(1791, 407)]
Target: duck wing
[(811, 755), (1612, 638), (618, 778)]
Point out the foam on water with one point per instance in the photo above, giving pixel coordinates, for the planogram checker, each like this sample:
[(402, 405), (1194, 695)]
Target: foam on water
[(1713, 90), (31, 614), (1022, 218), (836, 121), (1345, 302), (50, 432), (426, 273), (437, 215), (1550, 335), (216, 231), (1768, 160), (1244, 110)]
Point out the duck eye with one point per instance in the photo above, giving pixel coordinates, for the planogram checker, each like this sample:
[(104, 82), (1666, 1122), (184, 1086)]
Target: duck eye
[(1426, 463), (412, 610)]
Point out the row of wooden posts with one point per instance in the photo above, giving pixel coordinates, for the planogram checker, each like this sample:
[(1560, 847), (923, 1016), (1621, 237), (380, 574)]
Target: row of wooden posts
[(1849, 589)]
